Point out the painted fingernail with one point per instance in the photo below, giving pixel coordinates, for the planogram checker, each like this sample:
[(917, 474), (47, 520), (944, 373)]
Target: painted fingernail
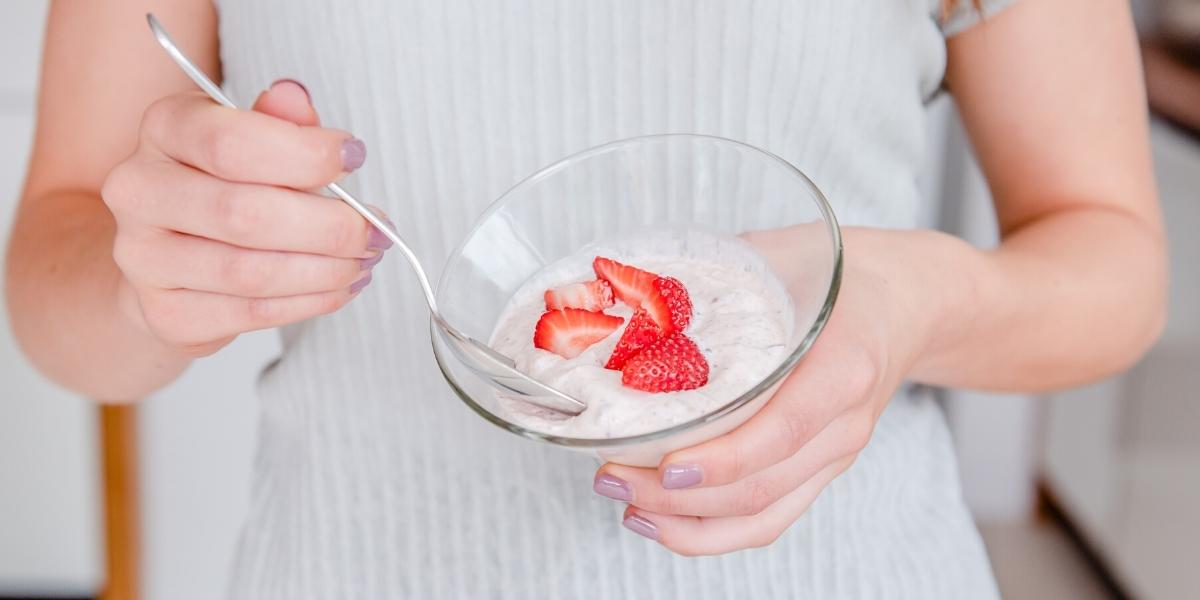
[(613, 487), (641, 526), (357, 286), (367, 263), (354, 154), (377, 241), (296, 84), (676, 477)]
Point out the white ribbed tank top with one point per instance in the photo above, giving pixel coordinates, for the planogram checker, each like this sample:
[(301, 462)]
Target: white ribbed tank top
[(374, 481)]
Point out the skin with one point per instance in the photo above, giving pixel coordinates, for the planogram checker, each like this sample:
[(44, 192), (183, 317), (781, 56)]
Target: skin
[(1051, 95), (155, 225)]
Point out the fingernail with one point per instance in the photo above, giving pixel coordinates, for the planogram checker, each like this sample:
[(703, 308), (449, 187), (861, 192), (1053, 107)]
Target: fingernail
[(367, 263), (382, 215), (354, 154), (293, 82), (641, 526), (612, 487), (357, 286), (677, 477), (377, 241)]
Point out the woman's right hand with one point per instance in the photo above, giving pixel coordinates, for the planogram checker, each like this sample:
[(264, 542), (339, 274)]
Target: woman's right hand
[(215, 234)]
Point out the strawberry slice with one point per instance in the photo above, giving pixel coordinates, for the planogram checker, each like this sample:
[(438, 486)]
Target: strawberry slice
[(595, 295), (641, 332), (670, 364), (669, 304), (663, 297), (570, 331), (629, 284)]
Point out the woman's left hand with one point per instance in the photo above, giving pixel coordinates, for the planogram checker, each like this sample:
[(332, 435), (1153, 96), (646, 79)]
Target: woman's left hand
[(745, 488)]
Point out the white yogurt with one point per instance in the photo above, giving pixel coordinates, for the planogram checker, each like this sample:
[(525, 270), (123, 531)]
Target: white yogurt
[(743, 322)]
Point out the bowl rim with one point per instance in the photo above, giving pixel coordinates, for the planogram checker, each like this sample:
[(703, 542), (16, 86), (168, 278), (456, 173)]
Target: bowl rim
[(772, 378)]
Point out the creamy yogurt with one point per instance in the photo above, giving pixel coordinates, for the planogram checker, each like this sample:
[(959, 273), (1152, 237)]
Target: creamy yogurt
[(743, 323)]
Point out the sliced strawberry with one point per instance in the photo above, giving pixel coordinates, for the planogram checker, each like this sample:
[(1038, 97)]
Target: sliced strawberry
[(670, 364), (640, 332), (592, 295), (669, 304), (629, 284), (570, 331)]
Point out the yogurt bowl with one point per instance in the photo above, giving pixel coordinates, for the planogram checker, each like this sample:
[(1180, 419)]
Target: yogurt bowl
[(675, 189)]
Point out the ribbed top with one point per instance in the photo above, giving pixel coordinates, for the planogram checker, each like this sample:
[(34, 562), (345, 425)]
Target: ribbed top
[(373, 481)]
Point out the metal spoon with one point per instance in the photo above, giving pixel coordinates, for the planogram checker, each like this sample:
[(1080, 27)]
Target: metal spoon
[(497, 368)]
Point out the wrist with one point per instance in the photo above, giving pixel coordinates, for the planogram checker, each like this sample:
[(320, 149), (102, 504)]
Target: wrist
[(928, 284)]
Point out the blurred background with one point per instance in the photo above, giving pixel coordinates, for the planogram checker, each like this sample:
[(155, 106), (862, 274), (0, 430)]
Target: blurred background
[(1084, 494)]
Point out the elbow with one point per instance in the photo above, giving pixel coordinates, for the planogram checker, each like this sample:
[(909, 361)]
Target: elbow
[(1158, 318), (1154, 325), (1140, 342), (21, 307), (1145, 313), (53, 334)]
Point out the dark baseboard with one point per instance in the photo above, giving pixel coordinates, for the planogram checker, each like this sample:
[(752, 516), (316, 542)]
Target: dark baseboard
[(1051, 509)]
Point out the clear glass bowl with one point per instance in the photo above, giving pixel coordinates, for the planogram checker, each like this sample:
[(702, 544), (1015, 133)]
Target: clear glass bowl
[(673, 181)]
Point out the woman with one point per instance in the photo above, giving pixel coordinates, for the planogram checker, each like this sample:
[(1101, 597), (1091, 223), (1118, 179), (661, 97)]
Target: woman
[(156, 227)]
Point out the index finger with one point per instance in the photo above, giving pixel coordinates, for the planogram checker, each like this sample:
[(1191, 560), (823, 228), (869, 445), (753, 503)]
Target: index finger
[(248, 146), (248, 215), (831, 381)]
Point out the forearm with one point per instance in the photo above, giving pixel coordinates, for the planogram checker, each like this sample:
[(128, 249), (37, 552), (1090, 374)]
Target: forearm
[(70, 311), (1069, 298)]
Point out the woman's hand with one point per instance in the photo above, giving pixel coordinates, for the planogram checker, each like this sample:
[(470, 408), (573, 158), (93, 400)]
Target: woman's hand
[(215, 233), (1075, 291), (743, 489)]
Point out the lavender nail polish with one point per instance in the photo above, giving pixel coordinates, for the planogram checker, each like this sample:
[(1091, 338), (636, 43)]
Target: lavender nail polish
[(367, 263), (382, 215), (354, 154), (377, 241), (676, 477), (641, 526), (357, 286), (613, 487)]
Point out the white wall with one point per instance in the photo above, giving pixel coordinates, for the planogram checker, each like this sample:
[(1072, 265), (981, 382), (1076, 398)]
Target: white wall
[(50, 539)]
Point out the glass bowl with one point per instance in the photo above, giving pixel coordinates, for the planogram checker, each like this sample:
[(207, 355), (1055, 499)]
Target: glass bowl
[(657, 182)]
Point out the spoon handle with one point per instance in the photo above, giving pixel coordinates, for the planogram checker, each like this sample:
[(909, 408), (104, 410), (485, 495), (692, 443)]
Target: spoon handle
[(214, 91)]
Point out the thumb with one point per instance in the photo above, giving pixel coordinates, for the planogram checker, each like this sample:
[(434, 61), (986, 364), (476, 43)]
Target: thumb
[(288, 99)]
